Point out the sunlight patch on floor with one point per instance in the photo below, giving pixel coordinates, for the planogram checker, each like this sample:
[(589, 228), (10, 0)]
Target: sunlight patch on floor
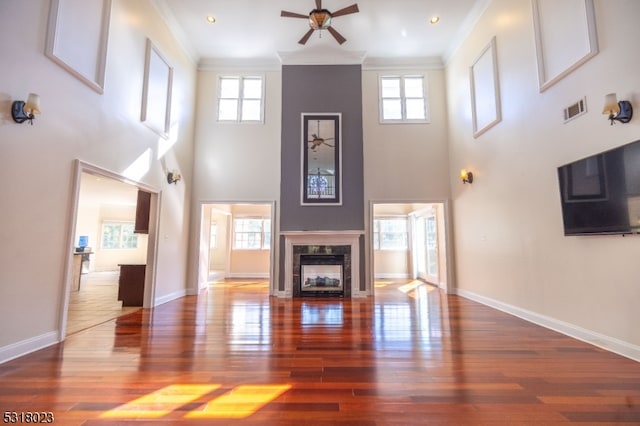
[(160, 403), (240, 402)]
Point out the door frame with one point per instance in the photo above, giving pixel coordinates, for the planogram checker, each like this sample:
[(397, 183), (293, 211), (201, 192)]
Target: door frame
[(81, 167), (447, 277), (202, 244)]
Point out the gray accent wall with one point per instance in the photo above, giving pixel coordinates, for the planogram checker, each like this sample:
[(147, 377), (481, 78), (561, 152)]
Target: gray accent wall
[(322, 89)]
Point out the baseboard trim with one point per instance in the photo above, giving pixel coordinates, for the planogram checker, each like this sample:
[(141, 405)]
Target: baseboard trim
[(608, 343), (249, 275), (395, 276), (24, 347), (171, 296)]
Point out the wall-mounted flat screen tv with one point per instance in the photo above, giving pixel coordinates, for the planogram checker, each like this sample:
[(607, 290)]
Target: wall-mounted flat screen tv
[(601, 194)]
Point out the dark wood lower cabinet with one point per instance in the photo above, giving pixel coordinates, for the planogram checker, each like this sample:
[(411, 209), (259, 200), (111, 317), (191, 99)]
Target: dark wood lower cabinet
[(131, 284)]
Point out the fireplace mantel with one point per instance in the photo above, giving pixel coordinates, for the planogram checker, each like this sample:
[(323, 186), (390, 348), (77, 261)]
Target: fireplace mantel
[(322, 238)]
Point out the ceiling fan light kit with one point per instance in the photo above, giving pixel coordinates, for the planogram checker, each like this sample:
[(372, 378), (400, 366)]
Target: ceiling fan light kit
[(320, 19)]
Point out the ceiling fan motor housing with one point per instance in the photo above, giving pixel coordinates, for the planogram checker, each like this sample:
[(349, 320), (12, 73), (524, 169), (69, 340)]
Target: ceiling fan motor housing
[(320, 19)]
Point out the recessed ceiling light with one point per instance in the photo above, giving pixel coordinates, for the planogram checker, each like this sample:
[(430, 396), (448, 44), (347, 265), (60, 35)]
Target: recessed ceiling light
[(211, 19), (434, 20)]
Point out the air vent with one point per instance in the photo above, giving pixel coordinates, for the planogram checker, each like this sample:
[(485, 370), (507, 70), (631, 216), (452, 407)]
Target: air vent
[(575, 110)]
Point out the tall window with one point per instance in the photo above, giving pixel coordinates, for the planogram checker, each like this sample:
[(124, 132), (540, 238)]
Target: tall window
[(390, 234), (251, 234), (213, 234), (240, 99), (403, 99), (118, 235)]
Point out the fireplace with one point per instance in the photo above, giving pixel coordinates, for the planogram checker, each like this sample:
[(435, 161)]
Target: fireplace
[(321, 278), (322, 264), (321, 271)]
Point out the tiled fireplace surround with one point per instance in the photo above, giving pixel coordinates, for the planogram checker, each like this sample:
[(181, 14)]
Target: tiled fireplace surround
[(296, 243)]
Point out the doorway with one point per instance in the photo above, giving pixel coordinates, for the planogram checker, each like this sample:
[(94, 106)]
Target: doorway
[(236, 243), (102, 234), (409, 241)]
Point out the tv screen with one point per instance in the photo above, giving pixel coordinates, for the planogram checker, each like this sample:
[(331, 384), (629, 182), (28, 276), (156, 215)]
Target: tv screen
[(601, 194)]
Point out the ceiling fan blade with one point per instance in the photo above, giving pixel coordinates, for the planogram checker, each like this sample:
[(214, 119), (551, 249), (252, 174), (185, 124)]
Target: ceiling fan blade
[(305, 37), (318, 4), (293, 15), (346, 11), (336, 35)]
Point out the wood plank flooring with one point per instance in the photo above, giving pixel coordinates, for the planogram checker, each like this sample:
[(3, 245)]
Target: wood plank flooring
[(410, 356), (95, 302)]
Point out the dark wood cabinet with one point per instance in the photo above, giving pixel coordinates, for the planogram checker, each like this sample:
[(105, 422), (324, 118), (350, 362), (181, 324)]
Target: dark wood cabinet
[(131, 284), (143, 207)]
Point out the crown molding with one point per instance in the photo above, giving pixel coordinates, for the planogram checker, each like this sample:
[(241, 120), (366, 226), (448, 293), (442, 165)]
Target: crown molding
[(163, 9), (383, 64), (467, 26), (236, 64), (322, 56)]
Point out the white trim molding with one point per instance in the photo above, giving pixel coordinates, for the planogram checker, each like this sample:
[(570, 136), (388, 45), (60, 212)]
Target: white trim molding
[(608, 343), (24, 347)]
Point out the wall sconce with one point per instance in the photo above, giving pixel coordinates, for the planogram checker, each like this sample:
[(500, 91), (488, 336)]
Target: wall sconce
[(467, 177), (620, 111), (22, 111), (173, 177)]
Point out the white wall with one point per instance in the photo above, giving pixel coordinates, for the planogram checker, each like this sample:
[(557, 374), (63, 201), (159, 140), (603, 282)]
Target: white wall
[(402, 162), (235, 162), (509, 241), (78, 123)]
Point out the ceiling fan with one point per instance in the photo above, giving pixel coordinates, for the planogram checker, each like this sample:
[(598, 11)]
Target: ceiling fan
[(320, 19), (317, 140)]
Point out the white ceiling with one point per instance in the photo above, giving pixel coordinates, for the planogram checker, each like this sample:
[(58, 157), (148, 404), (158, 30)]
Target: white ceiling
[(254, 31)]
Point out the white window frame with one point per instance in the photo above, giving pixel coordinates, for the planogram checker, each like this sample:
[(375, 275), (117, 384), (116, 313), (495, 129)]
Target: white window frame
[(377, 233), (403, 98), (213, 234), (241, 98), (120, 241), (265, 233)]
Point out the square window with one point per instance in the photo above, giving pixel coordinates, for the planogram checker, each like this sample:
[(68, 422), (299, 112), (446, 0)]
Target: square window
[(390, 233), (229, 87), (403, 99), (413, 87), (391, 87), (251, 110), (251, 234), (392, 109), (415, 109), (240, 99), (252, 88), (118, 235), (228, 109)]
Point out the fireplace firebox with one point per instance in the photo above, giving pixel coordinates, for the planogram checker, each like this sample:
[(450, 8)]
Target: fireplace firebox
[(322, 271), (321, 275)]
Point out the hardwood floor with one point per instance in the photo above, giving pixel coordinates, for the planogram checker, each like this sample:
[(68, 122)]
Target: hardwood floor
[(411, 355), (95, 302)]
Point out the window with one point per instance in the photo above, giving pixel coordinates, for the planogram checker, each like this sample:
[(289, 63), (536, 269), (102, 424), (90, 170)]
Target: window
[(118, 235), (213, 235), (390, 234), (403, 99), (251, 234), (240, 99)]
